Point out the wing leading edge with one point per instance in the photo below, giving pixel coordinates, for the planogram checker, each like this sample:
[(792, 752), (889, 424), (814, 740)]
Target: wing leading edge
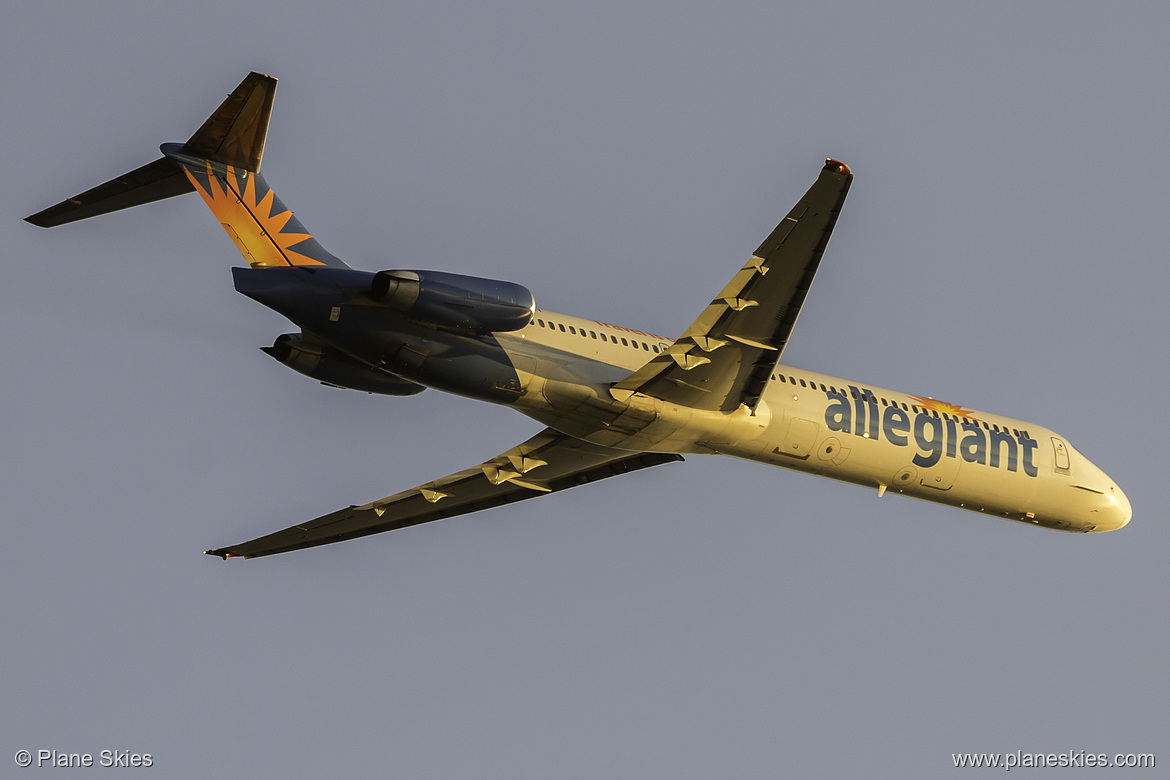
[(726, 356), (546, 463)]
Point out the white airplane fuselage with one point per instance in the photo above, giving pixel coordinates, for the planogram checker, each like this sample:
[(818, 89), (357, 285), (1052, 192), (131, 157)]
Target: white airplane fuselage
[(849, 431)]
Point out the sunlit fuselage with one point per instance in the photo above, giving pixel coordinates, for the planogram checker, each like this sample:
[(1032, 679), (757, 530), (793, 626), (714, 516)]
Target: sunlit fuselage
[(890, 441), (558, 370)]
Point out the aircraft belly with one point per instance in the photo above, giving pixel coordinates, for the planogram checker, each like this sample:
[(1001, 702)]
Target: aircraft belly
[(535, 359), (589, 411), (797, 442), (473, 366), (942, 475)]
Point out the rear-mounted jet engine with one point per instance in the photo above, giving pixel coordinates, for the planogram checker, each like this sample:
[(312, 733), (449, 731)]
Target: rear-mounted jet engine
[(336, 368), (465, 303)]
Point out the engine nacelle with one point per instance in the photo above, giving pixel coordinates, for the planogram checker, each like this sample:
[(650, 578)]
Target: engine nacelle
[(336, 368), (456, 301)]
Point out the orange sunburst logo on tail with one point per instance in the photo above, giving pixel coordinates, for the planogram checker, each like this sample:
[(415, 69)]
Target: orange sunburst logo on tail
[(943, 407), (256, 231)]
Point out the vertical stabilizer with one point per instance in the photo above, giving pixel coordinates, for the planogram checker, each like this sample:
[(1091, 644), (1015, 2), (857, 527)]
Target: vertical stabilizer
[(234, 135), (265, 231), (221, 162)]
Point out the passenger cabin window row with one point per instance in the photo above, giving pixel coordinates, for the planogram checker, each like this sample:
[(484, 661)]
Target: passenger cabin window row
[(867, 396), (788, 379), (572, 330)]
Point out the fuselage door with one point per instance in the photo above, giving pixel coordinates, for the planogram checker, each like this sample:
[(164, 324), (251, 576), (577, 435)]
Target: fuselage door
[(1060, 456), (802, 435)]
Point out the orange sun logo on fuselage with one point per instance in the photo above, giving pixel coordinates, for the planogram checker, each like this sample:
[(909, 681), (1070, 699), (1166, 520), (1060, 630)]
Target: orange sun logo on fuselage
[(943, 407)]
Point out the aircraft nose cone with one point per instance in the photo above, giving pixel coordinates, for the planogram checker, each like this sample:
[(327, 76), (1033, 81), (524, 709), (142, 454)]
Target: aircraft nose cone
[(1124, 511), (1117, 512)]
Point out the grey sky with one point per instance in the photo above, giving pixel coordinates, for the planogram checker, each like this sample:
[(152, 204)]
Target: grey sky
[(1001, 248)]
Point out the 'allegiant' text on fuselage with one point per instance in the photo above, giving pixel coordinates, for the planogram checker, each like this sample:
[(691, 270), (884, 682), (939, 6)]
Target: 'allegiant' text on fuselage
[(934, 435)]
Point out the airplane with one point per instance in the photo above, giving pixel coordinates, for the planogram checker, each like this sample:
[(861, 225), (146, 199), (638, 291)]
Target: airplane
[(613, 400)]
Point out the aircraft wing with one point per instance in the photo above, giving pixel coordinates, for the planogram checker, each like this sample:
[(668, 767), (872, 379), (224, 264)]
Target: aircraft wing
[(546, 463), (727, 355)]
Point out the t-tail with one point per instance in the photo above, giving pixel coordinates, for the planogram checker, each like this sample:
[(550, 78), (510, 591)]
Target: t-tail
[(222, 163)]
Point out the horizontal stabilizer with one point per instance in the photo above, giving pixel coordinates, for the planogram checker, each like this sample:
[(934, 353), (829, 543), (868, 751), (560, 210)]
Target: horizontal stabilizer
[(156, 181), (234, 136)]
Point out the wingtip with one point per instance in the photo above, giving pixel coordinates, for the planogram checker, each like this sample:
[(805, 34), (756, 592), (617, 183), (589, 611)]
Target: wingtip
[(223, 553), (836, 166)]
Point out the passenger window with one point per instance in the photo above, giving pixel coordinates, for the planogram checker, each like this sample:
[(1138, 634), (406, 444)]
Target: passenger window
[(625, 343), (655, 348), (572, 330), (802, 384), (645, 347), (592, 335), (562, 327), (540, 323)]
